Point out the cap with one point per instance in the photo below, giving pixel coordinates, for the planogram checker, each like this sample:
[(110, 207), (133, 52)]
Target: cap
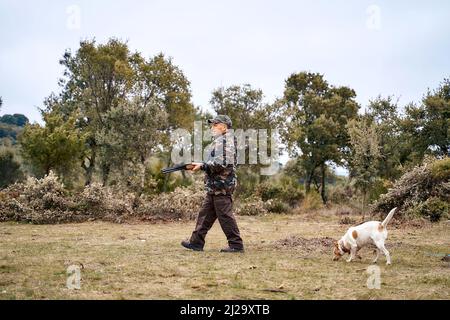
[(221, 118)]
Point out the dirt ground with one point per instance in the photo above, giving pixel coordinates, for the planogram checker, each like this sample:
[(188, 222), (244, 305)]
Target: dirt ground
[(287, 257)]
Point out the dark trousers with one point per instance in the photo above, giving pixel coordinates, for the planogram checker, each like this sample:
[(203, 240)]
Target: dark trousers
[(217, 207)]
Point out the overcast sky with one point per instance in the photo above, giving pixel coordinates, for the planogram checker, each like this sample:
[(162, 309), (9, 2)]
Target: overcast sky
[(376, 47)]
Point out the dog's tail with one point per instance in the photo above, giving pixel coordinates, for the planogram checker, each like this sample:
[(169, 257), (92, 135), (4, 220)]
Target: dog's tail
[(388, 218)]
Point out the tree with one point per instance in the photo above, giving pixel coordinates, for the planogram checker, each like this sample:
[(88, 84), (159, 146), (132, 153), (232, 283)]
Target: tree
[(96, 78), (365, 154), (135, 132), (160, 81), (58, 145), (163, 83), (427, 126), (382, 113), (10, 168), (240, 103), (103, 77), (246, 108), (315, 117)]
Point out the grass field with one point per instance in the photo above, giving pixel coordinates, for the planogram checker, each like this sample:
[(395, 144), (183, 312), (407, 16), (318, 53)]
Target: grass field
[(287, 257)]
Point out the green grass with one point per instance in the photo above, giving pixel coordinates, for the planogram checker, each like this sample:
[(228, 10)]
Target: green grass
[(146, 261)]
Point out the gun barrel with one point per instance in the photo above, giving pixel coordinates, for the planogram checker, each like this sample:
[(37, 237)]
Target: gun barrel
[(174, 168)]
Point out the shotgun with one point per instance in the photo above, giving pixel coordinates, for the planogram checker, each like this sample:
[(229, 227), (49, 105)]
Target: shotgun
[(175, 168)]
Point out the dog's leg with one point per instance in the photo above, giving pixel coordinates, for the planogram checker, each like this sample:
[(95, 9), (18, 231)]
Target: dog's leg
[(380, 246), (386, 253), (352, 253), (357, 254), (376, 257)]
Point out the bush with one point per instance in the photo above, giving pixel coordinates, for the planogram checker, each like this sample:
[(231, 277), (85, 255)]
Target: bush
[(247, 181), (277, 206), (434, 209), (312, 201), (35, 200), (182, 203), (380, 186), (98, 202), (283, 189), (268, 190), (411, 192), (440, 170), (340, 194), (45, 200), (252, 206)]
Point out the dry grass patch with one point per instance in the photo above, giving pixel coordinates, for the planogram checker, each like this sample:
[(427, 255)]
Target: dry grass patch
[(146, 261)]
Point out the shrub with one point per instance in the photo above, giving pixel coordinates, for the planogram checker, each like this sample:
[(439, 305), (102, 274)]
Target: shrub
[(97, 202), (45, 200), (251, 207), (380, 186), (35, 200), (48, 187), (433, 208), (440, 170), (283, 189), (340, 193), (93, 194), (268, 190), (312, 201), (182, 203), (277, 206), (413, 189), (247, 181)]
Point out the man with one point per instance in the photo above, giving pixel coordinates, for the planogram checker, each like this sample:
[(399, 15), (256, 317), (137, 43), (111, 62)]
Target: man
[(220, 182)]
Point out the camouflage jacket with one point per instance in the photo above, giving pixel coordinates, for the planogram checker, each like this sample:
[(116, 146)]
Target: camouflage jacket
[(220, 166)]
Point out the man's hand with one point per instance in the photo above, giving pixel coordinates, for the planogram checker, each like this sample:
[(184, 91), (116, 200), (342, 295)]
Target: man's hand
[(194, 166)]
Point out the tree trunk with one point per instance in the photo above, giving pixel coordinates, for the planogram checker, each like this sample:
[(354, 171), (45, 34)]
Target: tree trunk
[(142, 182), (89, 170), (309, 181), (323, 191), (106, 168), (141, 189)]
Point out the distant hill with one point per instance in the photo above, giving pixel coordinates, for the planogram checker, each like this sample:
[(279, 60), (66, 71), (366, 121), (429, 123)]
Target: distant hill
[(11, 126), (15, 119)]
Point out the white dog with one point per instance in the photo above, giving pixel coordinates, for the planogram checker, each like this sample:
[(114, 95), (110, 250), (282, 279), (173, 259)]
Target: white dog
[(371, 232)]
